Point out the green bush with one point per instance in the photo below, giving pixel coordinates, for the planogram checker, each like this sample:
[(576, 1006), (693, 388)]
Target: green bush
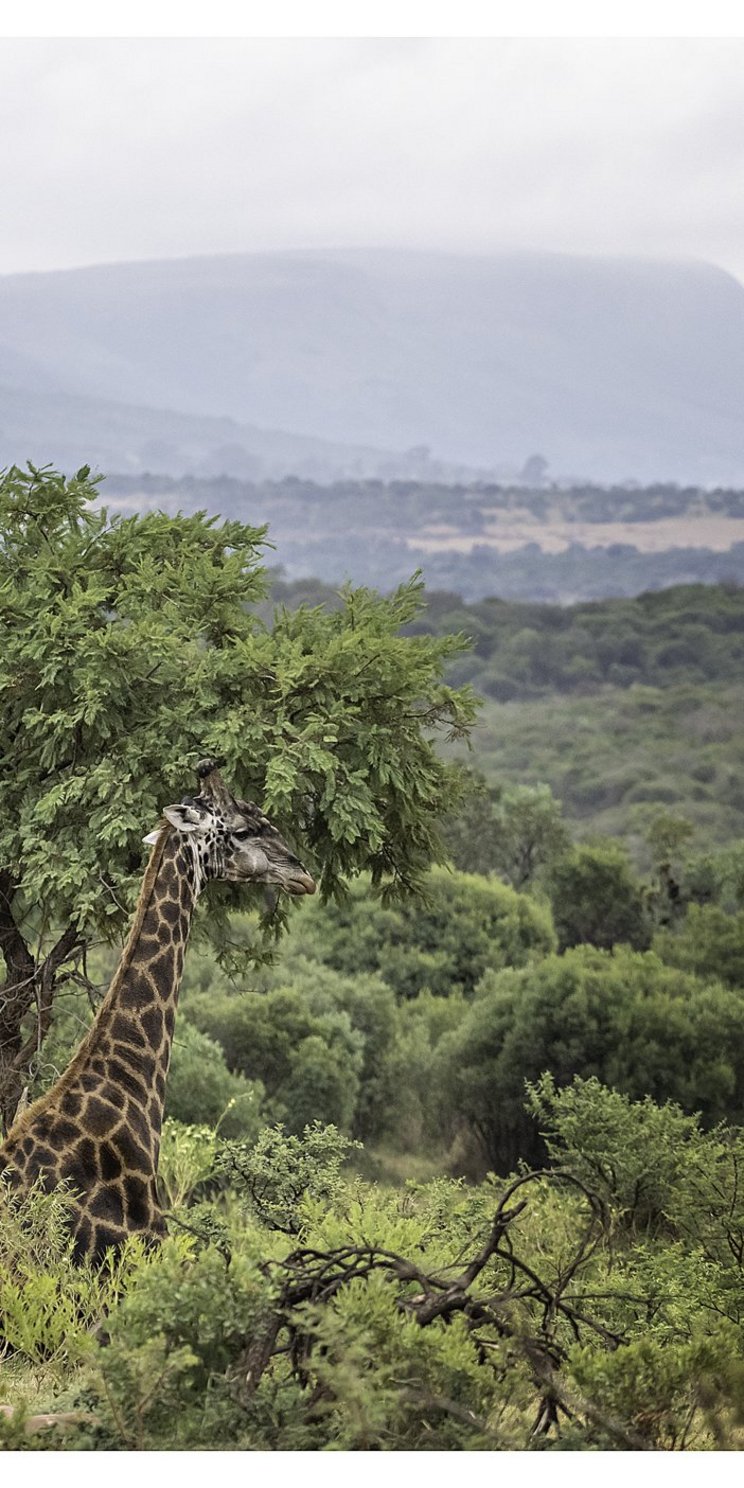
[(202, 1091), (596, 899), (635, 1024), (444, 942), (308, 1064), (707, 941), (594, 1308)]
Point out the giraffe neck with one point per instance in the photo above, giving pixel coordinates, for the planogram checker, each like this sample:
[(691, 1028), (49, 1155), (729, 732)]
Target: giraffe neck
[(129, 1045), (98, 1127)]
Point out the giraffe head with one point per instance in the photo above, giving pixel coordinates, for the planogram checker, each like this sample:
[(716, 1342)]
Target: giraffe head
[(232, 839)]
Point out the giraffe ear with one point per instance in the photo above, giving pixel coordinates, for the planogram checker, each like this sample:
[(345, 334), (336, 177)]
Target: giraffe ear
[(152, 837), (183, 818)]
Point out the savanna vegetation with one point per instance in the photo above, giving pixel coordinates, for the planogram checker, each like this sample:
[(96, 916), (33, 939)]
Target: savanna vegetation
[(627, 709), (454, 1166), (379, 530)]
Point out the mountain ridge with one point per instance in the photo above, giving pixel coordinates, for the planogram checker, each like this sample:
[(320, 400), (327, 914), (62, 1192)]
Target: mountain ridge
[(612, 368)]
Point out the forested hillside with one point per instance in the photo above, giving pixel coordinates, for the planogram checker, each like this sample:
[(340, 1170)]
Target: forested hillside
[(625, 708)]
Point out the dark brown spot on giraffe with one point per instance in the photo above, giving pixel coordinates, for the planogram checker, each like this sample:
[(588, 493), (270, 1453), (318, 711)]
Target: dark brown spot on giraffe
[(63, 1132), (135, 1158), (128, 1079), (161, 971), (152, 1025), (107, 1204), (83, 1238), (71, 1103), (110, 1162), (76, 1174), (127, 1030), (139, 1205), (140, 1062), (133, 995), (139, 1128), (42, 1163), (150, 944), (105, 1237), (100, 1116), (86, 1154)]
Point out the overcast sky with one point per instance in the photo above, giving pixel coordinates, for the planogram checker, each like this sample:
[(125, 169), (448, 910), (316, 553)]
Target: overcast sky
[(132, 149)]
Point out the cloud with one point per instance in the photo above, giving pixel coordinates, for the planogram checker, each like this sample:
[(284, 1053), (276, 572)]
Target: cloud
[(112, 150)]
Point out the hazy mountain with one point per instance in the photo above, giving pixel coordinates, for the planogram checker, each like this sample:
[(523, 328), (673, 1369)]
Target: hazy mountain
[(609, 368), (67, 430)]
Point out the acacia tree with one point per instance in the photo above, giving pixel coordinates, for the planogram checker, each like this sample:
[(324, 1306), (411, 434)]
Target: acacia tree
[(129, 647)]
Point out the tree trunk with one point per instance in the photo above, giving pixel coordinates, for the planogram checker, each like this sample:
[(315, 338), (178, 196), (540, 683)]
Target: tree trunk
[(16, 997), (28, 984)]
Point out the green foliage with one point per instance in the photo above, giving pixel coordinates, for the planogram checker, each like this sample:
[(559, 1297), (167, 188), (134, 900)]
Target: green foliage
[(118, 634), (597, 900), (516, 832), (114, 637), (616, 756), (413, 1117), (48, 1306), (282, 1171), (308, 1061), (595, 1307), (202, 1089), (187, 1156), (659, 1391), (132, 647), (464, 925), (667, 834), (625, 1018), (343, 1027), (716, 876), (658, 639), (530, 832), (631, 1153), (708, 942), (297, 1307)]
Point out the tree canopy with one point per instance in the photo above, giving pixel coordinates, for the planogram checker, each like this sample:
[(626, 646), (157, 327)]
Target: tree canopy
[(132, 646), (637, 1025)]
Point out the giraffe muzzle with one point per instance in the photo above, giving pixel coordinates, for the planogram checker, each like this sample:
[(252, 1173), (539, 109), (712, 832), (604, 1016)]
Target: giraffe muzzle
[(301, 883)]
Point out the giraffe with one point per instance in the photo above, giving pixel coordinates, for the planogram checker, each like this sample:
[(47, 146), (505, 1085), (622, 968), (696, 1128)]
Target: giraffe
[(98, 1127)]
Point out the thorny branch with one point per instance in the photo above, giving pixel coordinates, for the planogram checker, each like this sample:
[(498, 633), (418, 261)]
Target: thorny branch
[(525, 1311)]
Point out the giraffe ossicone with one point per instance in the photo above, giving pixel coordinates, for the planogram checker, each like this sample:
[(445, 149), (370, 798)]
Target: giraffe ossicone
[(97, 1129)]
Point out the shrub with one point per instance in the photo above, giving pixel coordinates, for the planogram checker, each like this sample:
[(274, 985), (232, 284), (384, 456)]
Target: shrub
[(623, 1017)]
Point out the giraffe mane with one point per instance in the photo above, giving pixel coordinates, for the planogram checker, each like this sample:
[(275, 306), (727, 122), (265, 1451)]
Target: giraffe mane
[(151, 873)]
